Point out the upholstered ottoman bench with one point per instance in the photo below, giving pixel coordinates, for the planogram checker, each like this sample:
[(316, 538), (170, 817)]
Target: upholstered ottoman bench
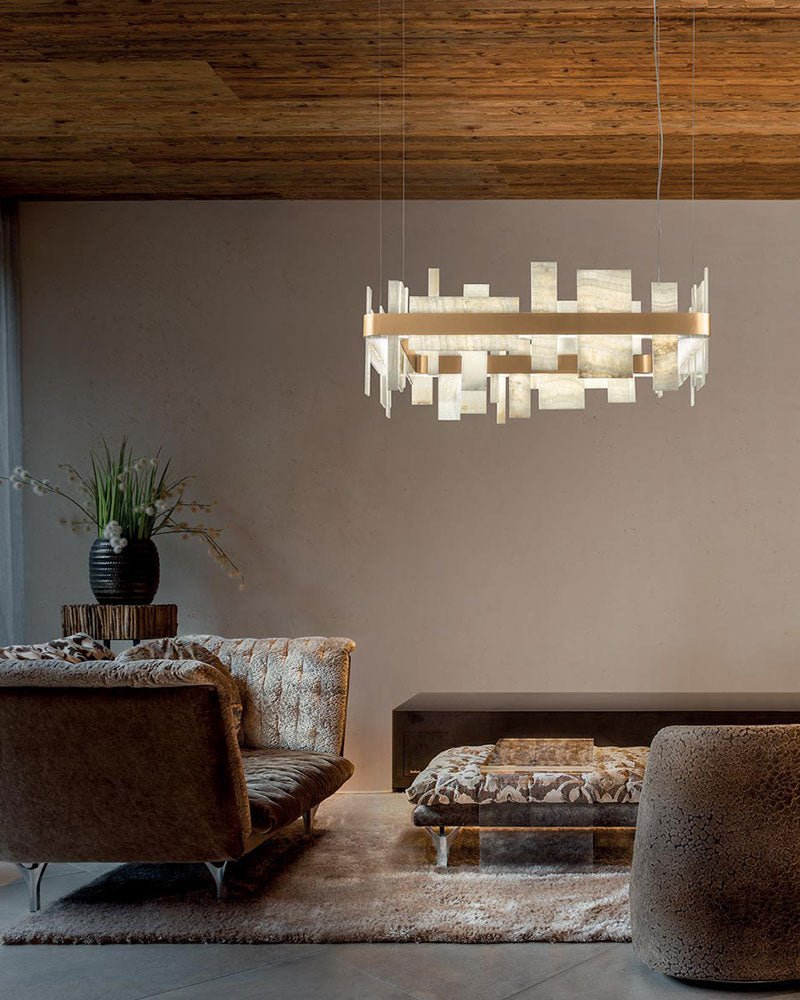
[(452, 792)]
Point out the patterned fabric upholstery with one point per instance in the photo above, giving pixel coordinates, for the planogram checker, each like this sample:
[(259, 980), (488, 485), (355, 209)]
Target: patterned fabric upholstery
[(294, 691), (172, 649), (453, 777), (283, 784), (74, 649)]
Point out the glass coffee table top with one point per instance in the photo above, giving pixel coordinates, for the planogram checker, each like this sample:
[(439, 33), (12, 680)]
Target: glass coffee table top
[(523, 755)]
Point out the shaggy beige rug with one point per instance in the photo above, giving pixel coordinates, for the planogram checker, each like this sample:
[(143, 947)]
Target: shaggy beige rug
[(366, 877)]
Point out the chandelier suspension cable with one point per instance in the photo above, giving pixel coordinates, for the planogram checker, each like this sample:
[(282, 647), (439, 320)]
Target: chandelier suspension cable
[(656, 47), (403, 141), (380, 160)]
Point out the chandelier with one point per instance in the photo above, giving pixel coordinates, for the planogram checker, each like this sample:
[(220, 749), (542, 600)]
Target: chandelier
[(479, 348)]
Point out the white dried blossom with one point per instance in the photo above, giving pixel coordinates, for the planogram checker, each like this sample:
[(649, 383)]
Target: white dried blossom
[(113, 533), (38, 490), (17, 484), (150, 511), (18, 470)]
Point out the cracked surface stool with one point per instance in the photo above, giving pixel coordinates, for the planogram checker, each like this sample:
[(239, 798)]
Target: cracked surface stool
[(715, 884)]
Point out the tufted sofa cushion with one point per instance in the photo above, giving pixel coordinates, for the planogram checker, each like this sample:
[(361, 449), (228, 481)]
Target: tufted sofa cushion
[(283, 784), (294, 691)]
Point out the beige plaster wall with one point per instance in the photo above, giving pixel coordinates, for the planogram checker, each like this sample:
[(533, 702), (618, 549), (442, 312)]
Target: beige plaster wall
[(646, 547)]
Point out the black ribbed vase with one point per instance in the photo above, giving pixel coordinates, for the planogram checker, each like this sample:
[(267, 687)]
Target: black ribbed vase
[(127, 577)]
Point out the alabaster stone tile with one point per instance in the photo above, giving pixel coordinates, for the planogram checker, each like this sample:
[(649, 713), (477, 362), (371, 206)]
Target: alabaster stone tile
[(664, 298), (560, 392), (421, 390), (473, 401), (502, 390), (519, 396), (605, 357), (449, 397), (463, 303), (622, 390), (544, 286), (604, 291), (544, 353)]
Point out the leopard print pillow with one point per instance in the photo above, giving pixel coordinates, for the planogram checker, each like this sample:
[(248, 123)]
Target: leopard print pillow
[(75, 648), (172, 649)]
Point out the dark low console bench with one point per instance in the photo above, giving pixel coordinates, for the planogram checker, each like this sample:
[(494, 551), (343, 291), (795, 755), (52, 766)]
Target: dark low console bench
[(429, 723)]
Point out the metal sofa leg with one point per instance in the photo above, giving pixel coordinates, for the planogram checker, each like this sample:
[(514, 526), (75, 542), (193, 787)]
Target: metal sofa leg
[(441, 839), (308, 821), (217, 869), (33, 879)]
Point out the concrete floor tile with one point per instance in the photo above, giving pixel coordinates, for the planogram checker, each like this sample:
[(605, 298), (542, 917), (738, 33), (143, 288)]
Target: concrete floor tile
[(314, 977), (323, 972), (618, 975), (14, 896), (466, 971), (8, 873), (127, 972)]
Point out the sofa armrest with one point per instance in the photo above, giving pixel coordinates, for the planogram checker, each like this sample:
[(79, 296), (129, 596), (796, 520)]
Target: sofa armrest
[(142, 674), (110, 673)]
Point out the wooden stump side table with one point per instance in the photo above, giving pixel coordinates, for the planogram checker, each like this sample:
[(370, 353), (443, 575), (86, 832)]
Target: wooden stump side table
[(120, 621)]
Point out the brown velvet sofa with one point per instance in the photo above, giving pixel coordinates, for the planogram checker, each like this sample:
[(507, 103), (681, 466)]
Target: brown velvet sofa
[(140, 761)]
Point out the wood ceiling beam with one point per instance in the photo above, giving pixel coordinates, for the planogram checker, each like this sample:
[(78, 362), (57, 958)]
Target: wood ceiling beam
[(516, 99)]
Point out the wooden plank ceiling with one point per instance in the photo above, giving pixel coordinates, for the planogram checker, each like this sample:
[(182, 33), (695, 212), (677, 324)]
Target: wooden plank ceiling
[(508, 99)]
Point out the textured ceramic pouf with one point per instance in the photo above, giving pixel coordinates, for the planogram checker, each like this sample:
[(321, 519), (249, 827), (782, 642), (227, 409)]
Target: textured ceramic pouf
[(715, 886)]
